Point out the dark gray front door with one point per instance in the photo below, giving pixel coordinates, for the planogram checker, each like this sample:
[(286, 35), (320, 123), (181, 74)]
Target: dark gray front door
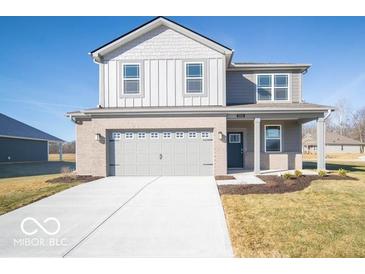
[(235, 150)]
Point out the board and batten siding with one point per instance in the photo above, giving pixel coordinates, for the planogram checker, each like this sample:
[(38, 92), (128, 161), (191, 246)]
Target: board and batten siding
[(241, 87), (162, 54)]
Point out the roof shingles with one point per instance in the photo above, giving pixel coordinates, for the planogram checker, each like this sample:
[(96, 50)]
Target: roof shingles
[(10, 127)]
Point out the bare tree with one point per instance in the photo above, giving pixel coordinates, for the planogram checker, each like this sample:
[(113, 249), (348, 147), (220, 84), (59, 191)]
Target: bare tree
[(340, 121), (358, 123)]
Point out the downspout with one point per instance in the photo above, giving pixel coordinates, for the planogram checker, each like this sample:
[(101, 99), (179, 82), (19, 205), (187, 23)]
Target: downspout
[(329, 111)]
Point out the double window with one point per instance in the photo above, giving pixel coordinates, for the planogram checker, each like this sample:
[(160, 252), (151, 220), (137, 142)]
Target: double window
[(194, 79), (131, 79), (272, 87), (272, 138)]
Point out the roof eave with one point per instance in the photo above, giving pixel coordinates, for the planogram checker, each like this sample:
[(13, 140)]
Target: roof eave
[(263, 67)]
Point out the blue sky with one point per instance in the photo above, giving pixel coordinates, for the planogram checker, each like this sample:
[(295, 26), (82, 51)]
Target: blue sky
[(45, 70)]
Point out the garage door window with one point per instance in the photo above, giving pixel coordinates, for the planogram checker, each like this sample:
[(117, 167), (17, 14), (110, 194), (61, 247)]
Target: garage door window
[(141, 135), (129, 135), (205, 135), (154, 135), (192, 135), (167, 135), (179, 135), (116, 136)]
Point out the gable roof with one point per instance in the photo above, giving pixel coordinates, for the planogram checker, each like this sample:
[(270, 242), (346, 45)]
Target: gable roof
[(12, 128), (331, 139), (154, 23)]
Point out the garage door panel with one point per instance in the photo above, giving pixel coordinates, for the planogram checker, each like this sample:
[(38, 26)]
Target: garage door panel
[(171, 152)]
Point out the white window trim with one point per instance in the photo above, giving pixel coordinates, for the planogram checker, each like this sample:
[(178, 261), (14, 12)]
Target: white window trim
[(179, 132), (139, 79), (186, 78), (281, 138), (273, 87)]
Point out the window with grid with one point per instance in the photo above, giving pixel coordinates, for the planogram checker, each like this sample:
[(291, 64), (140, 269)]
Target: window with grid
[(131, 79), (154, 135), (192, 135), (205, 135), (272, 87), (116, 135), (194, 82), (141, 135), (273, 138), (179, 135), (129, 135)]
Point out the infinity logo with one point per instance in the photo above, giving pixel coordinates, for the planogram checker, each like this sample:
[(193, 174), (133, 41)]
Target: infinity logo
[(28, 219)]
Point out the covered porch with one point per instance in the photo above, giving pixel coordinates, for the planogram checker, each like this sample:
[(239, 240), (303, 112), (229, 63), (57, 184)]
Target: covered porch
[(270, 142)]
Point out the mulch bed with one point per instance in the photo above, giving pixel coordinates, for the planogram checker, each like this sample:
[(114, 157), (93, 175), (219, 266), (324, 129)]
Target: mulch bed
[(277, 184), (224, 177), (74, 179)]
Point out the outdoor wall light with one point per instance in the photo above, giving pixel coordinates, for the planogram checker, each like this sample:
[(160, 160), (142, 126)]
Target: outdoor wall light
[(97, 137), (220, 135)]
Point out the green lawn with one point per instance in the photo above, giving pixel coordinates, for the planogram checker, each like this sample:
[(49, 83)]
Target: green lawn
[(18, 192), (327, 219)]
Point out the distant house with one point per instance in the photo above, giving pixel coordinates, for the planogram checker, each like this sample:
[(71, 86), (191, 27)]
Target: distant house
[(22, 143), (335, 143)]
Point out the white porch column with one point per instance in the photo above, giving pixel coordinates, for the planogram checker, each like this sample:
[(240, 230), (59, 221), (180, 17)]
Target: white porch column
[(321, 154), (257, 150), (60, 150)]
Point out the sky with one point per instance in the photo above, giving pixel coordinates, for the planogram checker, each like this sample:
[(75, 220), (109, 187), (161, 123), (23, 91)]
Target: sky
[(45, 69)]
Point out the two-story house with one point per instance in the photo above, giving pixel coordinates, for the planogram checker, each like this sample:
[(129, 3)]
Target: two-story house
[(172, 102)]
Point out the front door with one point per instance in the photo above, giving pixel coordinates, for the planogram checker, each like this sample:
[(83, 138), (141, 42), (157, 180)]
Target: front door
[(235, 150)]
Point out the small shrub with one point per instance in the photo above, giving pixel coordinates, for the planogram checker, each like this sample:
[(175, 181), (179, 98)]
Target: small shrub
[(286, 176), (298, 173), (322, 173), (342, 172), (68, 172)]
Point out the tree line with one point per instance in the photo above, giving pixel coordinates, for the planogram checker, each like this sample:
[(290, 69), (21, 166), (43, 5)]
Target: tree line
[(345, 121)]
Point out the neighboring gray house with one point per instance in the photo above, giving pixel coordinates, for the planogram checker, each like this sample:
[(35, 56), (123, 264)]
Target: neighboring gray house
[(335, 143), (172, 102), (22, 143)]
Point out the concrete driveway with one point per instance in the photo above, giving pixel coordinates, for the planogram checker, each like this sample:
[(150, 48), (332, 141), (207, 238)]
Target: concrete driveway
[(121, 217)]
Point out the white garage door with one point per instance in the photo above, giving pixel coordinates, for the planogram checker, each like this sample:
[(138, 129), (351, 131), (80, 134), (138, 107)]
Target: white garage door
[(168, 152)]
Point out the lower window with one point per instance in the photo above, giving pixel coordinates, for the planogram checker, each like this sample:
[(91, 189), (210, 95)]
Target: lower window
[(273, 138)]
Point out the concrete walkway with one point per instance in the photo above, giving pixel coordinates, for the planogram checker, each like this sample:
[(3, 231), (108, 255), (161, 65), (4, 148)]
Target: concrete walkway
[(121, 217)]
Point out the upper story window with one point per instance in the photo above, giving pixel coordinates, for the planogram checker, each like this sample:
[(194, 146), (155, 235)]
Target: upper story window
[(194, 79), (131, 79), (272, 87)]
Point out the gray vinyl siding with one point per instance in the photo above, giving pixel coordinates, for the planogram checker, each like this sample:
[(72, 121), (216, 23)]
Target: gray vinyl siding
[(22, 150), (296, 87), (241, 87)]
